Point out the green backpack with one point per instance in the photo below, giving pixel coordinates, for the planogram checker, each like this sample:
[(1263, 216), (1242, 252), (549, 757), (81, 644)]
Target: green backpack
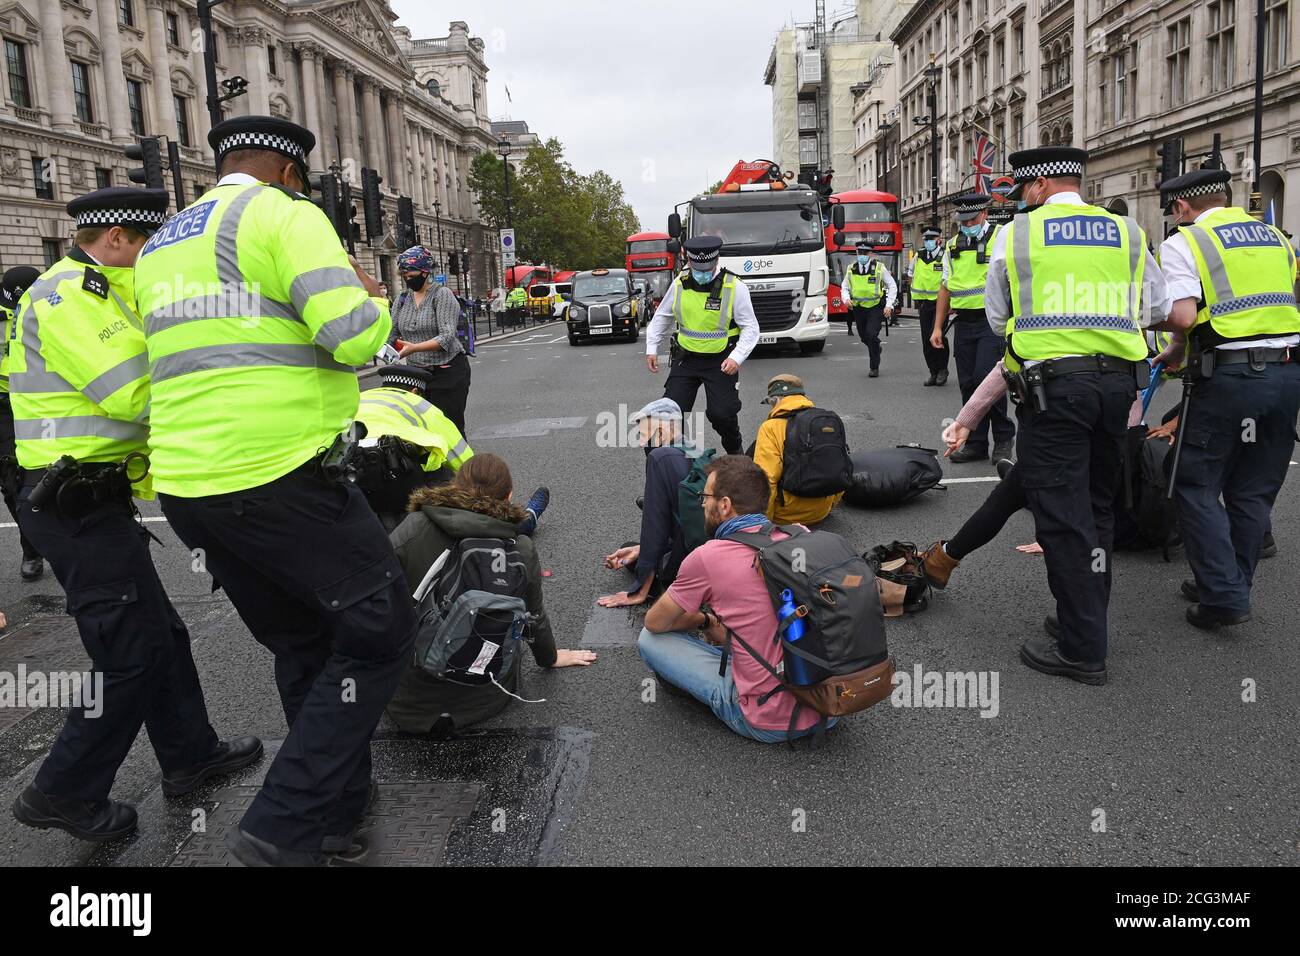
[(690, 513)]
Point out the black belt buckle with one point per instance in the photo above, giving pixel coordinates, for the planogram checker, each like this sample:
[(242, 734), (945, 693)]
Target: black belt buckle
[(1036, 387), (1258, 359)]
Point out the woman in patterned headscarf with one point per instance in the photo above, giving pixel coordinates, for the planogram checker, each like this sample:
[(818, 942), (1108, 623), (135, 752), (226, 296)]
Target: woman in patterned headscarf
[(425, 319)]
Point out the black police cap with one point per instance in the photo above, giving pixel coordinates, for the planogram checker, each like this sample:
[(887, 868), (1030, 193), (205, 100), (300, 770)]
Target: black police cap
[(142, 209), (399, 375), (261, 132), (1199, 182), (1049, 161), (16, 281), (970, 205), (702, 249)]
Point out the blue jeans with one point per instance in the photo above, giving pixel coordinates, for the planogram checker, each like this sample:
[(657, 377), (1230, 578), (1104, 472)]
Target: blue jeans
[(691, 664)]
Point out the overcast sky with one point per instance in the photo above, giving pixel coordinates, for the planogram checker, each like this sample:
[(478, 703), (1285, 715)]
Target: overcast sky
[(663, 96)]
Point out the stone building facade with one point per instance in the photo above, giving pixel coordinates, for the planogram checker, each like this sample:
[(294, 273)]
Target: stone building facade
[(84, 78)]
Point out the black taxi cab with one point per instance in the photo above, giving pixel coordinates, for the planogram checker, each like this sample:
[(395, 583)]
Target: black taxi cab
[(604, 305)]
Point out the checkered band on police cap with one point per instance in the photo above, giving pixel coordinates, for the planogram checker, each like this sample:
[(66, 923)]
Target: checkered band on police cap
[(1200, 189), (409, 381), (120, 217), (1050, 170), (707, 256), (972, 203), (248, 140)]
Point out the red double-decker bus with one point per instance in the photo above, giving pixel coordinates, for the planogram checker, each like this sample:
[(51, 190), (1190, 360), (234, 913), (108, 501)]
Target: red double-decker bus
[(649, 260), (868, 216)]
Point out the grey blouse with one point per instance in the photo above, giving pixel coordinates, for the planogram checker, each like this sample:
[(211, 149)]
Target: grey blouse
[(435, 318)]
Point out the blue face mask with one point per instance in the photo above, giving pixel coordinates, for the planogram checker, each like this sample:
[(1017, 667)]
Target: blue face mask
[(931, 245), (865, 260), (972, 231), (702, 277)]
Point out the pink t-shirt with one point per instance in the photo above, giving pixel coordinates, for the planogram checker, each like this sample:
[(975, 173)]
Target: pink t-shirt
[(724, 575)]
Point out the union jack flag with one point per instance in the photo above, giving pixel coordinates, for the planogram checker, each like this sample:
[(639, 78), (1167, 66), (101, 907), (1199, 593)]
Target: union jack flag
[(984, 157)]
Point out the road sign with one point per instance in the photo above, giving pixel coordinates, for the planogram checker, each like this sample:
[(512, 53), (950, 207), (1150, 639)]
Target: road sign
[(507, 247), (1001, 186)]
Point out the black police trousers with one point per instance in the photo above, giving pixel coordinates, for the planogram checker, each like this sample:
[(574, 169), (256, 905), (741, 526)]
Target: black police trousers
[(936, 360), (8, 450), (868, 319), (977, 349), (689, 371), (312, 574), (1239, 437), (1070, 461), (137, 644)]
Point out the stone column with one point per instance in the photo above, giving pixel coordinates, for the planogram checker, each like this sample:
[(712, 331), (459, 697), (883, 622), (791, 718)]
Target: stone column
[(119, 118), (257, 99), (58, 75), (428, 170), (374, 125), (164, 118), (396, 127), (324, 118), (311, 102), (346, 115)]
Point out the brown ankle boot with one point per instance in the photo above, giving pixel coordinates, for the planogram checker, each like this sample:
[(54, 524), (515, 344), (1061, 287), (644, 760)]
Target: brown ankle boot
[(937, 565)]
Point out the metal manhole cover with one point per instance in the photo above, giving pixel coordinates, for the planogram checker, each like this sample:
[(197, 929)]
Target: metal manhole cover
[(408, 825)]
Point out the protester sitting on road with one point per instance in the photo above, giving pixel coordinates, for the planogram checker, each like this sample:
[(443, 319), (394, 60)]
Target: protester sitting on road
[(719, 584), (785, 393), (658, 553), (475, 505)]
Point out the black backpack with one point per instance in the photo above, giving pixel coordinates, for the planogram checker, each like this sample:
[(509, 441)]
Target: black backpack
[(1144, 517), (842, 654), (890, 476), (473, 616), (815, 462)]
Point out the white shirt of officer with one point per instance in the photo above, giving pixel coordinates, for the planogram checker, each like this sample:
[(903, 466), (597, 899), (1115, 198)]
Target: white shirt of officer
[(1185, 283), (742, 311), (1156, 302), (891, 287)]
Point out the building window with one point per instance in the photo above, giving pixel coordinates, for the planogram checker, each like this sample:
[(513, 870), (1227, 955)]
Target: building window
[(1278, 16), (216, 46), (103, 177), (182, 119), (272, 61), (433, 87), (81, 92), (126, 12), (1020, 49), (20, 88), (1002, 62), (1221, 42), (984, 74), (43, 177), (199, 189), (135, 106), (173, 29), (52, 250), (1018, 130), (1121, 88), (1178, 61)]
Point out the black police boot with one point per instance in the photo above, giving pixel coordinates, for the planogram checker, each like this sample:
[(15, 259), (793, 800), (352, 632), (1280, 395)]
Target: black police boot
[(1003, 467), (941, 377), (1267, 547), (1190, 590), (345, 843), (932, 380), (965, 453), (1004, 450), (230, 755), (251, 851), (1210, 618), (33, 568), (640, 503), (873, 373), (95, 821), (1043, 654), (1052, 626)]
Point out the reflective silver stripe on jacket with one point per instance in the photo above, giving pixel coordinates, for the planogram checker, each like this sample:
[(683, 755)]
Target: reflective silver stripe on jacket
[(233, 302), (124, 373), (405, 413), (245, 355), (462, 446), (37, 377), (1214, 264), (79, 426), (338, 330), (724, 312)]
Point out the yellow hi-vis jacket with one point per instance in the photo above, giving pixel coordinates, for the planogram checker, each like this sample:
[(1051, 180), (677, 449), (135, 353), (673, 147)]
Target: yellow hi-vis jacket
[(405, 415), (6, 331), (254, 321), (769, 454), (78, 373)]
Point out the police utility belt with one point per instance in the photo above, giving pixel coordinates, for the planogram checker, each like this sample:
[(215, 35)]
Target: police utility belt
[(1029, 385), (346, 461), (75, 489), (1201, 364)]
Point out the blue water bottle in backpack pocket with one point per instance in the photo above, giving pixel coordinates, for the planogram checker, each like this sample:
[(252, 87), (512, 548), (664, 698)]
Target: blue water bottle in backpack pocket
[(797, 671)]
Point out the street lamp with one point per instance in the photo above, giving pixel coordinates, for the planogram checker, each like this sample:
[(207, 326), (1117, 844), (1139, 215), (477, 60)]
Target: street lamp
[(1261, 27), (503, 147), (932, 74), (437, 207)]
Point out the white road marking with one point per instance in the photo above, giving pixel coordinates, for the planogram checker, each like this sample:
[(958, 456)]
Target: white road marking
[(959, 481), (562, 338), (152, 520)]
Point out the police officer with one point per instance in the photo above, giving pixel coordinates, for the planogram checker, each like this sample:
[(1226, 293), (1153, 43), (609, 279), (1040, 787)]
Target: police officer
[(409, 443), (872, 295), (926, 275), (975, 348), (12, 287), (1232, 281), (79, 383), (1071, 286), (516, 304), (716, 329), (253, 360)]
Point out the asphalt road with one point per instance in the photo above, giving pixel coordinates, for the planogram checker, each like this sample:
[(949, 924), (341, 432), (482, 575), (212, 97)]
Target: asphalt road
[(1167, 764)]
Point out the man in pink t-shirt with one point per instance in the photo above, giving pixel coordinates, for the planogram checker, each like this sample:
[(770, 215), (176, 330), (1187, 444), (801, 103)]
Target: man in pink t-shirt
[(722, 577)]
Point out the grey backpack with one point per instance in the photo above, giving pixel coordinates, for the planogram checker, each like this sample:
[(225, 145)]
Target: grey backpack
[(472, 614)]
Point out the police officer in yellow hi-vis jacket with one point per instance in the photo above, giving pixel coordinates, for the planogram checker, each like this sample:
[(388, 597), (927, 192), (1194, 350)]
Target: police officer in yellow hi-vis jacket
[(12, 287), (78, 379), (1070, 289), (255, 320), (1232, 282)]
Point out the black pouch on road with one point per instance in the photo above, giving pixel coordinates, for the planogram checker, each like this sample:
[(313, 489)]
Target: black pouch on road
[(890, 476)]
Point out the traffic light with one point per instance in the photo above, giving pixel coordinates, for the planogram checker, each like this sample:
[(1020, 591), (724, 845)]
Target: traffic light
[(464, 262), (452, 264), (326, 187), (148, 152), (1171, 158), (370, 180), (406, 234)]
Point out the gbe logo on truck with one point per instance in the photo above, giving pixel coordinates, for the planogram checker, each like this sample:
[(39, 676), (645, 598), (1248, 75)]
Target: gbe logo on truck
[(753, 265)]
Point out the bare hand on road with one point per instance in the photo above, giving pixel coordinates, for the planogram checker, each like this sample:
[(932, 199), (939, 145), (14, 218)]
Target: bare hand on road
[(567, 658)]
